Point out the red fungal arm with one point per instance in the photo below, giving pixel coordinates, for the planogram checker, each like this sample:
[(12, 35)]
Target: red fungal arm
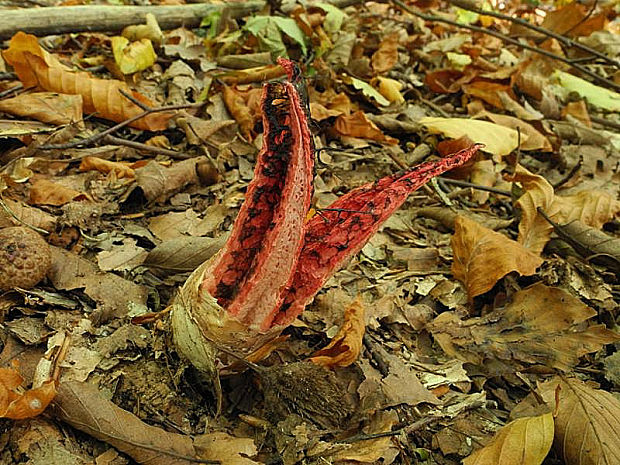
[(334, 236)]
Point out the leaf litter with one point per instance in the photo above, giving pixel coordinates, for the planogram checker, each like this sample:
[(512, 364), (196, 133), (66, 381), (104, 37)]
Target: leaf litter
[(492, 291)]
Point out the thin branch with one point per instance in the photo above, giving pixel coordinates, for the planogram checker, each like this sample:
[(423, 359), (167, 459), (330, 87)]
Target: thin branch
[(15, 88), (509, 40), (456, 182), (559, 37), (100, 135), (147, 148)]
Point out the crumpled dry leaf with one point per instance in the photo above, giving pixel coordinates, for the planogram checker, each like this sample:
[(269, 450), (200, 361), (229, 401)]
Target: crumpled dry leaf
[(239, 110), (19, 213), (346, 346), (386, 56), (18, 406), (48, 107), (83, 407), (358, 125), (159, 183), (533, 139), (113, 294), (120, 169), (35, 67), (482, 256), (227, 449), (46, 192), (525, 441), (594, 208), (587, 422), (542, 325)]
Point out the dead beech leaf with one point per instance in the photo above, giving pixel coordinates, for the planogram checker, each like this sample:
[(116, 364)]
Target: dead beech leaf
[(226, 449), (239, 111), (120, 169), (482, 257), (182, 254), (159, 182), (37, 68), (346, 346), (48, 107), (358, 125), (45, 192), (18, 406), (386, 56), (534, 230), (587, 422), (83, 407), (593, 208), (258, 74), (489, 92), (483, 174), (525, 441), (19, 213), (542, 325)]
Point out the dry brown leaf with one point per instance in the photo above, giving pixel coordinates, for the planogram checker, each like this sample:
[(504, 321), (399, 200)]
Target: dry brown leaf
[(35, 67), (542, 325), (594, 208), (445, 81), (159, 183), (47, 107), (482, 174), (239, 111), (386, 56), (358, 125), (113, 294), (83, 407), (346, 346), (227, 449), (19, 213), (525, 441), (534, 230), (120, 169), (489, 92), (573, 20), (45, 192), (587, 422), (482, 257), (578, 110), (258, 74)]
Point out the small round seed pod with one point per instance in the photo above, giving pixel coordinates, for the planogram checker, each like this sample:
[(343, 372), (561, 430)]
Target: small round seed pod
[(25, 258)]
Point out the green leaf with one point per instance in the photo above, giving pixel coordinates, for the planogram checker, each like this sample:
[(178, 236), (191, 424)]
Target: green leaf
[(334, 17), (211, 23), (369, 91), (267, 29), (595, 95)]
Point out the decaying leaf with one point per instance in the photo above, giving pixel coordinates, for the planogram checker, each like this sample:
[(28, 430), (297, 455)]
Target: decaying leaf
[(132, 57), (386, 56), (47, 107), (358, 125), (595, 95), (587, 422), (239, 110), (37, 68), (524, 441), (82, 406), (482, 257), (346, 346), (120, 169), (542, 325), (46, 192)]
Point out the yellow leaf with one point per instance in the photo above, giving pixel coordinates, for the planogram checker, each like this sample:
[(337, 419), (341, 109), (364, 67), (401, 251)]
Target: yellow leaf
[(389, 88), (483, 256), (498, 140), (525, 441), (132, 57)]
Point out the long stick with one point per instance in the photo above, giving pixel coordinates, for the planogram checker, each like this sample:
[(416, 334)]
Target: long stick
[(61, 19)]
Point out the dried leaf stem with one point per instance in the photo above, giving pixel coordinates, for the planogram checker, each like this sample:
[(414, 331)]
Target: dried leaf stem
[(509, 40)]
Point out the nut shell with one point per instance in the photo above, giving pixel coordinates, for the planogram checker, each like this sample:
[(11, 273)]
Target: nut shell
[(25, 258)]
